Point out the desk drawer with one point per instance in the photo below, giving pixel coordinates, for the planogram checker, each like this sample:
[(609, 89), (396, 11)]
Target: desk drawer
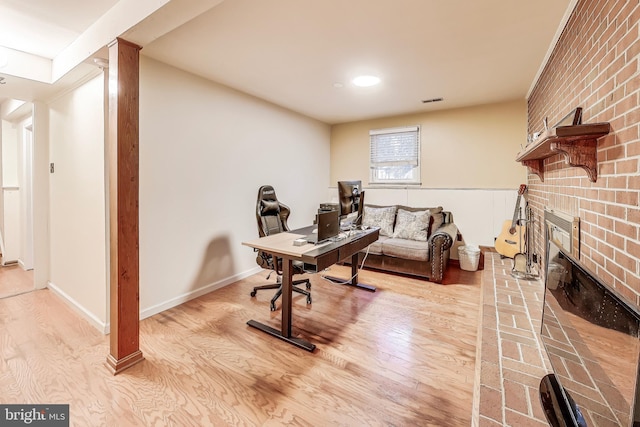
[(327, 260), (327, 255)]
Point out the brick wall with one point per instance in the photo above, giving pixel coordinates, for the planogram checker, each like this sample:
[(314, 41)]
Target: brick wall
[(595, 65)]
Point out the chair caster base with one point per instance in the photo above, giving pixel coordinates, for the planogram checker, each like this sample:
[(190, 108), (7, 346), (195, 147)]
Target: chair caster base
[(253, 293)]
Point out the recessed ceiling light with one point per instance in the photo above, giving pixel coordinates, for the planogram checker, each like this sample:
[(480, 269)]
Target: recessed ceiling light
[(366, 81)]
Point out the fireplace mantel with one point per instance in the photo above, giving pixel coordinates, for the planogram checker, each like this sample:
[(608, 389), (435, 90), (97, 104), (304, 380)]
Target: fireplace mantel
[(578, 144)]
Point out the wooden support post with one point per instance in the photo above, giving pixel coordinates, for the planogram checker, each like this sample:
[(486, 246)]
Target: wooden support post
[(123, 205)]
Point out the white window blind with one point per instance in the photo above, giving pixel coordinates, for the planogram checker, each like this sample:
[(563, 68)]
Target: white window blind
[(395, 155)]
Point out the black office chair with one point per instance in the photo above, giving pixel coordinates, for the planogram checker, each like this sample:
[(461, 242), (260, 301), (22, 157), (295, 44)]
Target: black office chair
[(272, 219)]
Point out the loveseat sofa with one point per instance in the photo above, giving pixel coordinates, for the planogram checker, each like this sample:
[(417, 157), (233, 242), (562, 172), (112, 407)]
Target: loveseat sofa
[(413, 241)]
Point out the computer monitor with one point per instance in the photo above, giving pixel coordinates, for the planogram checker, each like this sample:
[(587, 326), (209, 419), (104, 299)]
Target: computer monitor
[(350, 200)]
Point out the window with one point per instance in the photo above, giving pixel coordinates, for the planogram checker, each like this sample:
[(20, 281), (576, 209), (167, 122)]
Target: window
[(395, 155)]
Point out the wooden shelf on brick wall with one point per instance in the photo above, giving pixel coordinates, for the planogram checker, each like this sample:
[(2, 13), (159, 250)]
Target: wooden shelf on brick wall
[(578, 144)]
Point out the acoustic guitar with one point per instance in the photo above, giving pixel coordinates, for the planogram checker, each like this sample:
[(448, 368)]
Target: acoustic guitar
[(511, 239)]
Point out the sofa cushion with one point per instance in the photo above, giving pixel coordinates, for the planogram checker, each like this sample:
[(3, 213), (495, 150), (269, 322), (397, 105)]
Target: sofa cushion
[(407, 249), (412, 225), (376, 247), (380, 217)]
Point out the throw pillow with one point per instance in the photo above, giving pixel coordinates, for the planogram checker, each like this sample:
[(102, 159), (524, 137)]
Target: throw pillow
[(438, 220), (380, 217), (412, 225)]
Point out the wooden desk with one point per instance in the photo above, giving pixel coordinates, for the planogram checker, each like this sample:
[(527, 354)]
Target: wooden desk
[(316, 258)]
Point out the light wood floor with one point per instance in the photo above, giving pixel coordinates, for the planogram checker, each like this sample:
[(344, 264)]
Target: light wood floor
[(14, 280), (402, 356)]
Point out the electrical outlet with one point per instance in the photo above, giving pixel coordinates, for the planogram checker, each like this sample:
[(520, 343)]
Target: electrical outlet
[(51, 168)]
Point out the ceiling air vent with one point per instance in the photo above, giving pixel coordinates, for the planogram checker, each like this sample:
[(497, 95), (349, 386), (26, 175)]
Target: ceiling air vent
[(427, 101)]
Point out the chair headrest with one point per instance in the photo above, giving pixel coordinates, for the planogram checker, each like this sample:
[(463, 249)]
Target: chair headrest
[(268, 201), (266, 192), (269, 207)]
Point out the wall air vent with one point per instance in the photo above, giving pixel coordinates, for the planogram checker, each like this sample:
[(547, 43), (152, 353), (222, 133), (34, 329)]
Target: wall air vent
[(428, 101)]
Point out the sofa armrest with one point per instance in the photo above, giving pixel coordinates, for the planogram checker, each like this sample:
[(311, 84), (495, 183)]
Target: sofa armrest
[(439, 244), (447, 234)]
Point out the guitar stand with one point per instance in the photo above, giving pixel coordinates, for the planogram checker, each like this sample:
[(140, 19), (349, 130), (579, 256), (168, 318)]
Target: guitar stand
[(524, 275)]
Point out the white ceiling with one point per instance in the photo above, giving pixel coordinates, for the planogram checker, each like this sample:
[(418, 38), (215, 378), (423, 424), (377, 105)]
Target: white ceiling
[(45, 27), (295, 52)]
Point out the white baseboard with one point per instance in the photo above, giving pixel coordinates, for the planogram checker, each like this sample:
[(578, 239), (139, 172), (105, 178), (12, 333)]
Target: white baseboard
[(91, 318), (105, 328), (181, 299), (24, 266)]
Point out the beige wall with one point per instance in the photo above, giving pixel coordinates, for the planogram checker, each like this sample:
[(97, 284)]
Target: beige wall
[(77, 200), (205, 150), (471, 147), (467, 164), (41, 242)]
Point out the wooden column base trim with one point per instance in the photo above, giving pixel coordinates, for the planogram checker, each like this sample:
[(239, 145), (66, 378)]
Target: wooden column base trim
[(117, 366)]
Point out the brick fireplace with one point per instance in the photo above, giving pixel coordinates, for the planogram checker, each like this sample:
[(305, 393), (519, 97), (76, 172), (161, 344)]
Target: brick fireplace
[(595, 65)]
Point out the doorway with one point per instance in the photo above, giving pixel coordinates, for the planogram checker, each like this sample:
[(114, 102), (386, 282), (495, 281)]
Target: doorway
[(16, 202)]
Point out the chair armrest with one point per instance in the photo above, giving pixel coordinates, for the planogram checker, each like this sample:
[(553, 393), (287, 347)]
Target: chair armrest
[(266, 260)]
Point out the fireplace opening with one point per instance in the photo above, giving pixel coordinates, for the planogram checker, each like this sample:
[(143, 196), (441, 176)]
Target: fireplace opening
[(592, 338)]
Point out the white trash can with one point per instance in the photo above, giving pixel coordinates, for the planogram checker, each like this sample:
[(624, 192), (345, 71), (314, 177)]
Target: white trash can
[(469, 257)]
